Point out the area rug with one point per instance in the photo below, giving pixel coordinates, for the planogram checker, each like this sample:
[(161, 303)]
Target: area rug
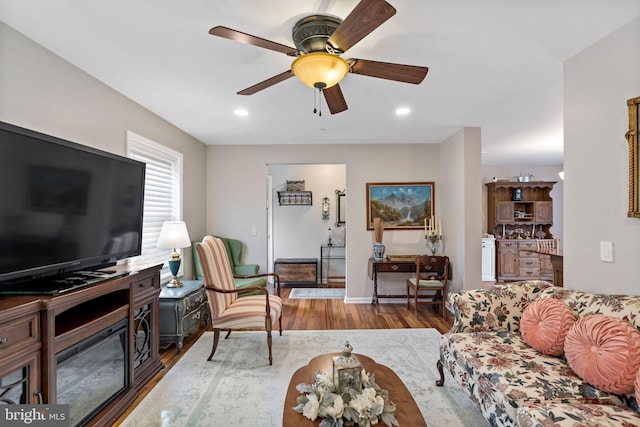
[(317, 293), (239, 388)]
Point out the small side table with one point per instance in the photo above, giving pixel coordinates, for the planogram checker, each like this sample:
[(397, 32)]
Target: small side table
[(181, 311)]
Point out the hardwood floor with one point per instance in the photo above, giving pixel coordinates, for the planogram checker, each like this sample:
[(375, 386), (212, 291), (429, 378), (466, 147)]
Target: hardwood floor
[(317, 314)]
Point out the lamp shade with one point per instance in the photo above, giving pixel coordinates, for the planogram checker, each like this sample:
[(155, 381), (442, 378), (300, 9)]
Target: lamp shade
[(320, 69), (173, 235)]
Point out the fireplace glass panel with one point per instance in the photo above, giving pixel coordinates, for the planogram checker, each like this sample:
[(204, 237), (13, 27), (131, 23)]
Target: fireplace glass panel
[(91, 373)]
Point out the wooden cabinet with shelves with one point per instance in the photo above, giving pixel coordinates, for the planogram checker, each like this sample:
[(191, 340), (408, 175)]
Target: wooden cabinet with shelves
[(520, 219), (534, 207)]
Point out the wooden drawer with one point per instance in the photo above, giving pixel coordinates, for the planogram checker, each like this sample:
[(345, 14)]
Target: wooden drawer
[(527, 245), (507, 244), (195, 300), (529, 273), (19, 333), (529, 262), (141, 288), (393, 267)]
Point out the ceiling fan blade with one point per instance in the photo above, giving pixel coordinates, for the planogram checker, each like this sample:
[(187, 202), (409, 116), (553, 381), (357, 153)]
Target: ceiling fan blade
[(245, 38), (363, 19), (266, 83), (335, 99), (386, 70)]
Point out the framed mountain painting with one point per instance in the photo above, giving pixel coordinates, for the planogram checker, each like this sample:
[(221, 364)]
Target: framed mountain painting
[(401, 206)]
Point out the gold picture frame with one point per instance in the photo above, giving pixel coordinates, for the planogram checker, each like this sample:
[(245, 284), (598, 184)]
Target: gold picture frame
[(400, 205), (633, 138)]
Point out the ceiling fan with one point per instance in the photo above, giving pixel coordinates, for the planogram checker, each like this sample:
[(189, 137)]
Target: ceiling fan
[(319, 41)]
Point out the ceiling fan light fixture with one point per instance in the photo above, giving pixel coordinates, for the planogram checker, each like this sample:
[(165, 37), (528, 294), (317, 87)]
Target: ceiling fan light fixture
[(320, 69)]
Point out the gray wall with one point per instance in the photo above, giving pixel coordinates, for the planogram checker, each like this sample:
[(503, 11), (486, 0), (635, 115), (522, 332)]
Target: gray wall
[(40, 91), (597, 83)]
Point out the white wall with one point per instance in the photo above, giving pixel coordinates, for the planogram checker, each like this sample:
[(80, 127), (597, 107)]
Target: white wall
[(298, 231), (597, 83), (40, 91), (461, 203)]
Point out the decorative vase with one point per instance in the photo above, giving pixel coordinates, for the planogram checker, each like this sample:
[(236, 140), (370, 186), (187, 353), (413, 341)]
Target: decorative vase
[(378, 251)]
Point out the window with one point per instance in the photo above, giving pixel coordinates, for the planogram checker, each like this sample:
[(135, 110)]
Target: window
[(162, 196)]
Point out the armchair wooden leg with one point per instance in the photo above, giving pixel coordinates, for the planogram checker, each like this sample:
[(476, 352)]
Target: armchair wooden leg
[(440, 382), (268, 326), (269, 339), (228, 333), (280, 325), (216, 338)]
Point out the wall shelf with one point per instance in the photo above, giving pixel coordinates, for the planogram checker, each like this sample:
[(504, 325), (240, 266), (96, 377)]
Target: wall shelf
[(292, 198)]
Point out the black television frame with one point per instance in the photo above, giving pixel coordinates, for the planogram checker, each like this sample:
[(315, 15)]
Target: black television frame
[(73, 265)]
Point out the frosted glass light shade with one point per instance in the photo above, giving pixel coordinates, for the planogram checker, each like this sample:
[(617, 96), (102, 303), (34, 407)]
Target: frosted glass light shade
[(320, 69), (173, 235)]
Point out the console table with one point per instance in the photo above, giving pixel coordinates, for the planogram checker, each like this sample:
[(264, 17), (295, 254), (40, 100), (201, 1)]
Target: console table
[(391, 264), (181, 310)]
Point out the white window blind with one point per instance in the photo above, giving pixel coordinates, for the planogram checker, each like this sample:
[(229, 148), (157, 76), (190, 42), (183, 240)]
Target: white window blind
[(162, 195)]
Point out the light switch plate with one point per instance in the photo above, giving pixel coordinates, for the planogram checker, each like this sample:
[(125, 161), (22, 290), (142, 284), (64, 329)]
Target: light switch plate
[(254, 231), (606, 251)]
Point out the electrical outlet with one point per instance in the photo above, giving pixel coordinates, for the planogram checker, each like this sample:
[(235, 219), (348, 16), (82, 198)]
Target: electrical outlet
[(254, 231), (606, 251)]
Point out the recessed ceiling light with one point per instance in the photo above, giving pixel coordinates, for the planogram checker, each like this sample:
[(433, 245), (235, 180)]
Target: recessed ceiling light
[(240, 112), (403, 111)]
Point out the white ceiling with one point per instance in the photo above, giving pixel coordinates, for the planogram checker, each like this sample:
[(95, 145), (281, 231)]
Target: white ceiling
[(495, 64)]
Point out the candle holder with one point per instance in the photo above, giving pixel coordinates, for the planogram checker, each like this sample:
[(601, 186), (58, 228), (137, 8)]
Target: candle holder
[(433, 239)]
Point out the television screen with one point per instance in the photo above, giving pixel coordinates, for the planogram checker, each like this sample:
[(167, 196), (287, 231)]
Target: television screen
[(64, 206)]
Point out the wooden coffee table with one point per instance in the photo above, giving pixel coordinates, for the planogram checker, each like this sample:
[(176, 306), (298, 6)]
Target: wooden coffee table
[(407, 412)]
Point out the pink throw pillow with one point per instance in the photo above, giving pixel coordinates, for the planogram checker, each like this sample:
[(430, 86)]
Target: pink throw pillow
[(605, 352), (545, 324)]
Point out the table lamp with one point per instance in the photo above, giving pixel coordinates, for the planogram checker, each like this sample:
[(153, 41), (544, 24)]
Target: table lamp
[(174, 235)]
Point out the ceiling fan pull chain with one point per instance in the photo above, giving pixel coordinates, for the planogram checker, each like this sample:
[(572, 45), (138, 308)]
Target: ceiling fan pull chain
[(315, 103)]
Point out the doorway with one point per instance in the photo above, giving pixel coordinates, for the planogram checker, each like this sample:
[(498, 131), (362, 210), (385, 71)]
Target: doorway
[(302, 230)]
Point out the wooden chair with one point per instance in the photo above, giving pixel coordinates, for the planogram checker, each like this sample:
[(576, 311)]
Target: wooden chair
[(228, 312), (549, 245), (432, 276)]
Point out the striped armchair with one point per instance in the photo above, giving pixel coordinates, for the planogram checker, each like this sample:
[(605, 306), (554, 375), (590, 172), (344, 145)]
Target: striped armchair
[(229, 312)]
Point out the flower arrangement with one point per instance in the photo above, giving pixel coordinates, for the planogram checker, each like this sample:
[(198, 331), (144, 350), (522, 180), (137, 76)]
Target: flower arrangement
[(353, 407)]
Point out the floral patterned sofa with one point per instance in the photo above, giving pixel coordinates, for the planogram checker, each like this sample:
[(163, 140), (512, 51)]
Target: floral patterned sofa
[(512, 383)]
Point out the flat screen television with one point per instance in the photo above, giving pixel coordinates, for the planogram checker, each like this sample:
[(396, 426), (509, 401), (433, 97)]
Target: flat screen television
[(64, 208)]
